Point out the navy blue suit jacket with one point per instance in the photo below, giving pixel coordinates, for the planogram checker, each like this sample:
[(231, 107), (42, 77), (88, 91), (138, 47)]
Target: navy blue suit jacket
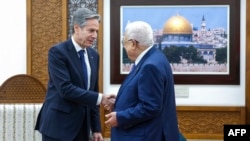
[(68, 105), (145, 103)]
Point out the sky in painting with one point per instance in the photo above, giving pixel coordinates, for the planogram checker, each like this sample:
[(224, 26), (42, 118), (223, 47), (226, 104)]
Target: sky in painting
[(215, 16)]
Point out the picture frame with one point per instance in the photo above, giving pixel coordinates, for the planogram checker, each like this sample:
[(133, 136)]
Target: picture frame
[(228, 77)]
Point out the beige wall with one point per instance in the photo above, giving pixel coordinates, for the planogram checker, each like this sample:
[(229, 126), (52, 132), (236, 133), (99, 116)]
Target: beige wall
[(12, 38)]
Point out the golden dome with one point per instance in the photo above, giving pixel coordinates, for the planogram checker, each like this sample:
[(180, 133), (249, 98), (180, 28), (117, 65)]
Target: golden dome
[(177, 25)]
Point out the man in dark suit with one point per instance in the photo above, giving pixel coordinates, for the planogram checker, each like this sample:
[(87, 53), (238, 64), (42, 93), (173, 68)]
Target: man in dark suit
[(71, 107), (144, 108)]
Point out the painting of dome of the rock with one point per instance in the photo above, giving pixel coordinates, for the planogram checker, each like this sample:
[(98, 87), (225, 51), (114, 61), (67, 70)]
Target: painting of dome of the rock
[(193, 38)]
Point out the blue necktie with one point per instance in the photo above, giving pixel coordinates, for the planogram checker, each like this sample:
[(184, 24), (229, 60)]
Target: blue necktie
[(133, 67), (84, 67)]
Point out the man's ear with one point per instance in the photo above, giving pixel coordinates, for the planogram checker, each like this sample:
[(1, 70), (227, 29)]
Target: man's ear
[(76, 28)]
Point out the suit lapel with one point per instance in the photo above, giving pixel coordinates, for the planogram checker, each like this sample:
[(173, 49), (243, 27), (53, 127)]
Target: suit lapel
[(129, 77), (132, 74), (76, 60)]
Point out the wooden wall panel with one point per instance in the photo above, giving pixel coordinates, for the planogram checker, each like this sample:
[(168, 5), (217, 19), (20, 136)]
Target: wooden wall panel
[(46, 25), (207, 122)]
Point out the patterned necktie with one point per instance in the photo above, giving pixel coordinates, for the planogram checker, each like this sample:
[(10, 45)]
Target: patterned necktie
[(84, 67)]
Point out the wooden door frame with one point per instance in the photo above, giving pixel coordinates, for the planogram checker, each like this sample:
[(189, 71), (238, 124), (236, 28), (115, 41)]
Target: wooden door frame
[(247, 62)]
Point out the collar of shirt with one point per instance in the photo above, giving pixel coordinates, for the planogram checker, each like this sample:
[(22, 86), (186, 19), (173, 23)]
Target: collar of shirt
[(77, 46), (138, 59)]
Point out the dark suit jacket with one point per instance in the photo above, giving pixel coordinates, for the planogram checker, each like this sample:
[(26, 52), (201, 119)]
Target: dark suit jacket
[(145, 103), (68, 105)]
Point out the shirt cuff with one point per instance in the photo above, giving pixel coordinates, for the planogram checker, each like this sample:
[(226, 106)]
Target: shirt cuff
[(99, 100)]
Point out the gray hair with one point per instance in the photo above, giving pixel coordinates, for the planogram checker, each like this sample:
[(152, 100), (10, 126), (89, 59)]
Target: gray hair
[(141, 32), (81, 16)]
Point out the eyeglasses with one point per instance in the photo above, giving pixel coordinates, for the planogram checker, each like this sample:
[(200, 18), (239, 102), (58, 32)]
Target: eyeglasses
[(133, 41)]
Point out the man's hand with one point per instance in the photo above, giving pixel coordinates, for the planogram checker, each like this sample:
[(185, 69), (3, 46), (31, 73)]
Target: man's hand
[(97, 137), (108, 101), (111, 119)]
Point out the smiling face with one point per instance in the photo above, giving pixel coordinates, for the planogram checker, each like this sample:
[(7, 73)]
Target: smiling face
[(86, 35)]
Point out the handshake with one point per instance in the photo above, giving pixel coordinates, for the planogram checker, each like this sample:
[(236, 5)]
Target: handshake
[(108, 101)]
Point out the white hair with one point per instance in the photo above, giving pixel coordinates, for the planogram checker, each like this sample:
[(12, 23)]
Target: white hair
[(141, 32)]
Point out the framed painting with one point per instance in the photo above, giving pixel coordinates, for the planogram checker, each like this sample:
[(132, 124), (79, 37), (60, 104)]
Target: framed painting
[(201, 39)]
